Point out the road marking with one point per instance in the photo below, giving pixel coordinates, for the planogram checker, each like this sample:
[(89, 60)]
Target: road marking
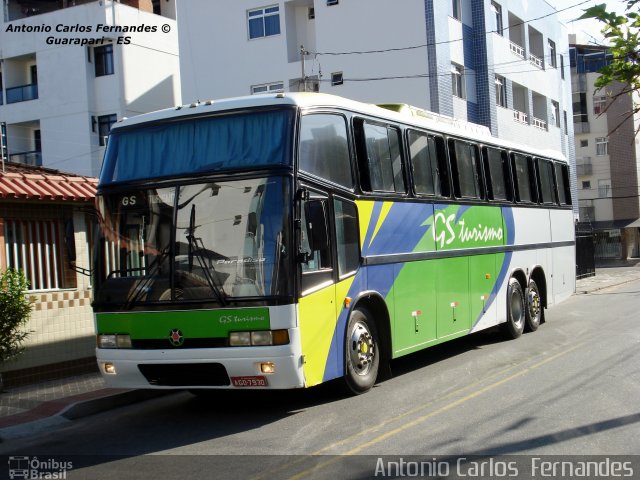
[(423, 418)]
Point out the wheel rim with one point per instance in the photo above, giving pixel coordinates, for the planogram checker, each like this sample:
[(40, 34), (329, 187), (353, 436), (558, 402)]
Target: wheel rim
[(534, 305), (361, 349), (517, 310)]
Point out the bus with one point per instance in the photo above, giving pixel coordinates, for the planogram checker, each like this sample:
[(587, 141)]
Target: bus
[(284, 240)]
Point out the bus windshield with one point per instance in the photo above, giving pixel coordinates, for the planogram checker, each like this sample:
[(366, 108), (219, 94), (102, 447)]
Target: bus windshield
[(249, 140), (210, 242)]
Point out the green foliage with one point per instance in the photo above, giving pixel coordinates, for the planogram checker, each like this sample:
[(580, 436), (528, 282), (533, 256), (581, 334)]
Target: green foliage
[(15, 309), (623, 35)]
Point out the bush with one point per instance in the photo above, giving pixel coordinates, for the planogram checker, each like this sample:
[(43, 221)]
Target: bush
[(15, 309)]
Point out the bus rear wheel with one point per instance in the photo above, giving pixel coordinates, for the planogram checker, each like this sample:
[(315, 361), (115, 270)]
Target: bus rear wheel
[(514, 326), (362, 352), (534, 307)]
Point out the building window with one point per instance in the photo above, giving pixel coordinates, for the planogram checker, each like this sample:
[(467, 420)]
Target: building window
[(555, 113), (264, 22), (602, 146), (36, 248), (552, 54), (332, 2), (604, 188), (457, 80), (456, 10), (584, 143), (599, 105), (501, 91), (336, 79), (562, 67), (497, 12), (311, 13), (104, 60), (566, 125), (586, 185), (274, 87), (104, 126)]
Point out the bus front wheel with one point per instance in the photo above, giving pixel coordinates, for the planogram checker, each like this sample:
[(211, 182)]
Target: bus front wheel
[(534, 307), (514, 326), (362, 352)]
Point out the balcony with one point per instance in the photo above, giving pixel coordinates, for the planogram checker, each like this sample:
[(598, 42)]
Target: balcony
[(539, 123), (584, 167), (33, 158), (517, 49), (520, 117), (536, 61), (22, 93), (581, 127)]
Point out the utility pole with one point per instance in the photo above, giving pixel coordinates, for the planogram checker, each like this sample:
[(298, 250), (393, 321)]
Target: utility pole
[(304, 77)]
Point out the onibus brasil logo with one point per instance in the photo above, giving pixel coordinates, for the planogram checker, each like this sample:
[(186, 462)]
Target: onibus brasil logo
[(35, 468)]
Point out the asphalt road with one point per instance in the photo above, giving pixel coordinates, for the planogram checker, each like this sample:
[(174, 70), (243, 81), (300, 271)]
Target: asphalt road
[(571, 388)]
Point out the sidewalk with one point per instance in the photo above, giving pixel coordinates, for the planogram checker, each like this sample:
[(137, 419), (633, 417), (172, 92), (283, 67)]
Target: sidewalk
[(31, 408)]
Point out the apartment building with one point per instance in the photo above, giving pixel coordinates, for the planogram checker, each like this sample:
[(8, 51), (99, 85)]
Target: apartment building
[(69, 69), (492, 62), (607, 156)]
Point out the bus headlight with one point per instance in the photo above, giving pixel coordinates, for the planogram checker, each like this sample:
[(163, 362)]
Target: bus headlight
[(114, 341), (259, 338)]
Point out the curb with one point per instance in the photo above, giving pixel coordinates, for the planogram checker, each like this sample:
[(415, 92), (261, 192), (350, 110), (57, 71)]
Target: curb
[(60, 412), (602, 287)]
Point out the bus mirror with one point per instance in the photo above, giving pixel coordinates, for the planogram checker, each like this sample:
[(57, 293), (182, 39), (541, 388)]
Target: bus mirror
[(315, 213)]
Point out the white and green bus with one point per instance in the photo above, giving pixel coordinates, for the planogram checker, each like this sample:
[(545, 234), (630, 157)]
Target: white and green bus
[(281, 241)]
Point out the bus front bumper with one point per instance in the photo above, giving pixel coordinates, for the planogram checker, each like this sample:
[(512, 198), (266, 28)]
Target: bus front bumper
[(228, 368)]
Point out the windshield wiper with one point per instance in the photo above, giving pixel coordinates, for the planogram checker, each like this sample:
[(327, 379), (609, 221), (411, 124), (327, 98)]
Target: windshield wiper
[(195, 250), (142, 286)]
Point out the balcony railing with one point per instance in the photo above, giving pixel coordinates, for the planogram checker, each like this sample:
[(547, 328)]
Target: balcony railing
[(33, 158), (581, 127), (584, 169), (539, 123), (517, 49), (22, 93), (536, 61), (520, 117)]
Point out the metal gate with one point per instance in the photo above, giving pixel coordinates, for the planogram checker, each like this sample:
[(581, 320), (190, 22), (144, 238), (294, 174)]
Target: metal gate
[(585, 251)]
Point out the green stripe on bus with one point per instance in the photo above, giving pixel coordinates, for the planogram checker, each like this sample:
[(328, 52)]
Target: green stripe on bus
[(192, 324)]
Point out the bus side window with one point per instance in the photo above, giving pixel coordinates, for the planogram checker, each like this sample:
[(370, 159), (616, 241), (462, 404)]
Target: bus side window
[(428, 164), (347, 236), (466, 169), (314, 250), (496, 170), (545, 178), (380, 158), (324, 148), (523, 178), (562, 181)]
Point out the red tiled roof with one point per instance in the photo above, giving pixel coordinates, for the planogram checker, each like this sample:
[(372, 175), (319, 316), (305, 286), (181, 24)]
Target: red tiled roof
[(38, 183)]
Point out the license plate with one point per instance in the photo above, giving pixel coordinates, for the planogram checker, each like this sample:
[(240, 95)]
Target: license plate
[(257, 381)]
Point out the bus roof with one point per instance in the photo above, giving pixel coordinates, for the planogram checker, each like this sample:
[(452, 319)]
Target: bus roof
[(398, 112)]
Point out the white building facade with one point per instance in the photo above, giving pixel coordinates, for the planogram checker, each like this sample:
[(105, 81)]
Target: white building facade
[(60, 95), (607, 156), (496, 63)]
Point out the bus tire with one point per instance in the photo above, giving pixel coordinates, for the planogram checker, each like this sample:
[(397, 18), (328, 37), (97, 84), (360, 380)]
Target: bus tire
[(534, 307), (362, 352), (514, 326)]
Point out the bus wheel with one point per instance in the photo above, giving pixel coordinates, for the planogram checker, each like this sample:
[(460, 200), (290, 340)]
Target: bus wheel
[(534, 307), (362, 352), (514, 326)]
